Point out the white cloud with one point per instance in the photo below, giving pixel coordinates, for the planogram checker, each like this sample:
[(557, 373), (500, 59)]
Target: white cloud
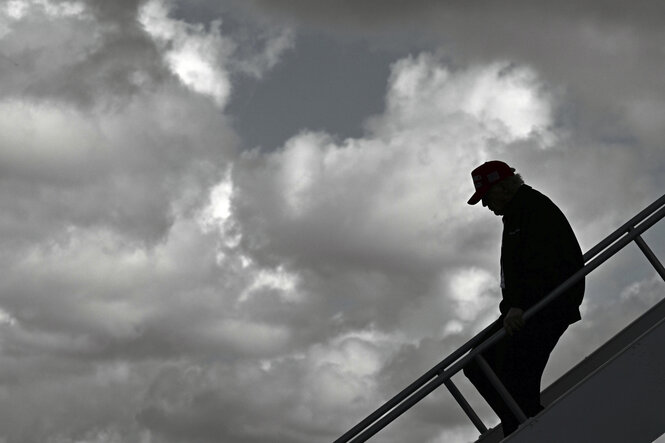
[(114, 158), (507, 100), (400, 191), (154, 279), (110, 271), (196, 55), (334, 247), (469, 289), (203, 58), (384, 204), (278, 280), (16, 9), (389, 209), (61, 9)]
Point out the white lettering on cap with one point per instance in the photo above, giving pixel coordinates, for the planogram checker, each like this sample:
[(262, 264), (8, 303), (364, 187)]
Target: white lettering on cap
[(478, 181), (492, 177)]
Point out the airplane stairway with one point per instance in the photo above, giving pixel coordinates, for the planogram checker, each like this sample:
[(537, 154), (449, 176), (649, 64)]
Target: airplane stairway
[(615, 395)]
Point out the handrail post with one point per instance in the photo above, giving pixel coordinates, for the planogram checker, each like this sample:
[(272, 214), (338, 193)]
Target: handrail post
[(465, 406), (646, 250), (501, 389)]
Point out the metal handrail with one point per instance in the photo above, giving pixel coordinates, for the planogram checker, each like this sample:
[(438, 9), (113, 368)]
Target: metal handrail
[(413, 387), (624, 229), (441, 373)]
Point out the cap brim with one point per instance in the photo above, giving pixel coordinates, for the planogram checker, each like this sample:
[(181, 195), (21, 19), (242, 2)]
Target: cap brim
[(475, 198)]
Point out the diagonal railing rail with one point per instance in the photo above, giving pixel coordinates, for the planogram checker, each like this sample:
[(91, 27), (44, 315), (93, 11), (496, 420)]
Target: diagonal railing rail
[(440, 374)]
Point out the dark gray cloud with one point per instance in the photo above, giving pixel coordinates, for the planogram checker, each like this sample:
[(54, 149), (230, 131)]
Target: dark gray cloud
[(100, 58), (160, 285)]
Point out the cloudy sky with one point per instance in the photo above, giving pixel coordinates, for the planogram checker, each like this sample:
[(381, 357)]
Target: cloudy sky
[(245, 221)]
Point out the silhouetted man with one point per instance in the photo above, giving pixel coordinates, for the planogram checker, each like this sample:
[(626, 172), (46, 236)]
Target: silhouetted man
[(538, 252)]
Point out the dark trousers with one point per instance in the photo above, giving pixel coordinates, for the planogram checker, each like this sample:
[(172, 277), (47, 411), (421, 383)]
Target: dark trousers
[(519, 362)]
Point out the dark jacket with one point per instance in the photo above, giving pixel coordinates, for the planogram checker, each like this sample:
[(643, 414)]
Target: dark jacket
[(538, 252)]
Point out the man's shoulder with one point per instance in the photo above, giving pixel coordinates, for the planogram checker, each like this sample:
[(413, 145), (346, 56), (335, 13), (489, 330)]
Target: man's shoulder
[(530, 192), (535, 205), (534, 196)]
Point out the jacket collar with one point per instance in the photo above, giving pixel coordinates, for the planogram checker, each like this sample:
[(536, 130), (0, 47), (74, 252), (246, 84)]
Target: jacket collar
[(517, 200)]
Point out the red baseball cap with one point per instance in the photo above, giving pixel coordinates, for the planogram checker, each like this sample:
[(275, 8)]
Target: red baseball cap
[(487, 175)]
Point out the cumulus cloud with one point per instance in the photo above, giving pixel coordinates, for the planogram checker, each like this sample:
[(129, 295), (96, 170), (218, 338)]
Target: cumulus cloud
[(163, 287), (193, 54), (108, 156), (370, 200), (203, 58), (378, 226), (293, 269)]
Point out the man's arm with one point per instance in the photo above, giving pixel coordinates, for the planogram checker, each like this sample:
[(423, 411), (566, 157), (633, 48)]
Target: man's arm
[(529, 261), (514, 320), (534, 256)]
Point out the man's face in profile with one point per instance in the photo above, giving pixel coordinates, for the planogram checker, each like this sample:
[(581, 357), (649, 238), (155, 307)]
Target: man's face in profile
[(496, 199)]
